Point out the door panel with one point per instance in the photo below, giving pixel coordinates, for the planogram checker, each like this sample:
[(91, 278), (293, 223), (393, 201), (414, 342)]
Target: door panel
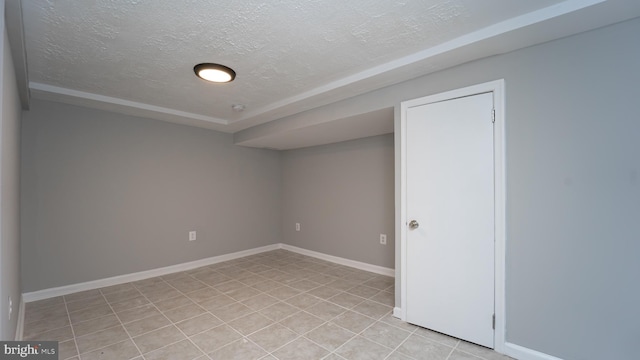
[(450, 193)]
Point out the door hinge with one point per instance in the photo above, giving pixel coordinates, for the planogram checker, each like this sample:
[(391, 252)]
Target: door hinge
[(493, 322), (493, 115)]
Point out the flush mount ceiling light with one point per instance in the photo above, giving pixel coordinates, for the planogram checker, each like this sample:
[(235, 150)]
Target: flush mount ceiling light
[(214, 72)]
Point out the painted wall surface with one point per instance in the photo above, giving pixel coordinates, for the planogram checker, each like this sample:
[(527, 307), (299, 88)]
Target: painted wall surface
[(107, 194), (573, 189), (342, 195), (9, 191)]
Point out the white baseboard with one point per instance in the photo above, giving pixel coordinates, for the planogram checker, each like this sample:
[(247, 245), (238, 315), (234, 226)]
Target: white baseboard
[(20, 324), (122, 279), (513, 350), (342, 261), (523, 353), (398, 313)]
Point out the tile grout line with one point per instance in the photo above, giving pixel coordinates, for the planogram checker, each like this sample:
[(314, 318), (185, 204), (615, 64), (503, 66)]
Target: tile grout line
[(171, 322), (235, 301), (345, 291), (402, 343), (93, 332), (260, 292), (365, 329), (341, 345), (45, 331), (345, 310), (454, 349), (122, 323), (71, 326), (342, 291), (451, 352), (246, 337), (298, 336), (281, 265)]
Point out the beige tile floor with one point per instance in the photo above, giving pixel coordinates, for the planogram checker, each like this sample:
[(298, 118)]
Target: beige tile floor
[(273, 305)]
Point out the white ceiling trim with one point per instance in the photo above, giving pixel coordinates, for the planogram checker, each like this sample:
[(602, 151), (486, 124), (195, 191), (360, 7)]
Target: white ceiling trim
[(75, 97), (378, 76), (494, 30)]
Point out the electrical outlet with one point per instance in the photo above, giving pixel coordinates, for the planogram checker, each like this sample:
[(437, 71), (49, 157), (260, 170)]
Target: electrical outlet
[(383, 239), (192, 235), (297, 226)]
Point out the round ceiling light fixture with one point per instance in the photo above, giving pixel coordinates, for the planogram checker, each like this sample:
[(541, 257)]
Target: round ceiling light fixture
[(214, 72)]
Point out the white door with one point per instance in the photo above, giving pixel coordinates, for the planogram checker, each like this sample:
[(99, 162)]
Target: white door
[(450, 195)]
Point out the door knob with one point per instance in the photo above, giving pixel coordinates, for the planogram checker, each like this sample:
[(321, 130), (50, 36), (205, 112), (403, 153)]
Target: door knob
[(413, 225)]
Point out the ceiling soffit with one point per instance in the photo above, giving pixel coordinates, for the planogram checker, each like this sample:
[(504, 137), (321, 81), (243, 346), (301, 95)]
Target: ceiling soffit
[(137, 57)]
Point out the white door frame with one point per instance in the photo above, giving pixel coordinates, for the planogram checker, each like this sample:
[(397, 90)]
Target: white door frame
[(497, 87)]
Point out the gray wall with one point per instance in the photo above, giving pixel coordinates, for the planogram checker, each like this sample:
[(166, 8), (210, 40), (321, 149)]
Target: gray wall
[(573, 192), (107, 194), (9, 190), (573, 189), (342, 195)]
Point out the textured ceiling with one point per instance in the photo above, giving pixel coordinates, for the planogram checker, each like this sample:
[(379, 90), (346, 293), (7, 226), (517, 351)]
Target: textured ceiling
[(144, 51), (137, 56)]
